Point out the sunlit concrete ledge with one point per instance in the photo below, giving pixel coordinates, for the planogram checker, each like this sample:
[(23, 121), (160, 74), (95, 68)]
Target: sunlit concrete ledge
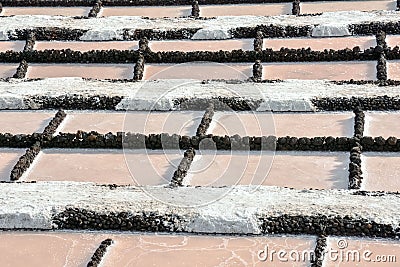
[(203, 210), (288, 95), (114, 28)]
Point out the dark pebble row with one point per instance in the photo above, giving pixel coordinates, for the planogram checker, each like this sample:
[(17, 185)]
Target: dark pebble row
[(70, 56), (205, 121), (390, 144), (296, 7), (152, 34), (99, 253), (257, 71), (374, 27), (48, 34), (363, 82), (19, 140), (76, 218), (398, 4), (319, 252), (195, 9), (267, 55), (359, 122), (139, 68), (355, 172), (381, 68), (78, 102), (324, 225), (93, 139), (54, 123), (220, 103), (381, 39), (30, 42), (258, 42), (95, 9), (365, 103), (183, 167), (272, 31), (144, 45), (21, 70), (24, 162)]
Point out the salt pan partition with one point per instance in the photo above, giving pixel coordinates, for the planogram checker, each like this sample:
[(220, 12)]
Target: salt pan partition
[(86, 46), (393, 69), (35, 249), (349, 252), (8, 159), (319, 44), (194, 45), (7, 70), (183, 123), (150, 11), (17, 46), (331, 6), (381, 123), (24, 122), (50, 11), (381, 171), (335, 71), (300, 170), (282, 124), (183, 250), (393, 40), (137, 167), (95, 71), (246, 10), (199, 71)]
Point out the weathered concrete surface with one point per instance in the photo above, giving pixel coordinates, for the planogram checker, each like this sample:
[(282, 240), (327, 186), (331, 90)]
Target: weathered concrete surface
[(288, 95), (112, 28), (206, 210)]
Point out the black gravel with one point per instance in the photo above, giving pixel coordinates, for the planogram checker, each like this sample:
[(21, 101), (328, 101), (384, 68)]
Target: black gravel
[(30, 42), (359, 123), (319, 251), (257, 71), (54, 123), (95, 9), (21, 70), (99, 253), (355, 172), (195, 9), (24, 162), (327, 225), (378, 103), (258, 42), (77, 102), (76, 218), (296, 7), (205, 121), (139, 68), (183, 168)]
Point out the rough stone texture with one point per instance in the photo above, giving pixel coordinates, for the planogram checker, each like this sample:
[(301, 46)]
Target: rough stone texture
[(119, 28), (99, 253), (24, 162), (21, 70), (46, 205), (76, 93), (183, 167)]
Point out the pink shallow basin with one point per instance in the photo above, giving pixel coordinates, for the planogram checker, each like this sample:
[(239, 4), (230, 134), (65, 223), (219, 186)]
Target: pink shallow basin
[(152, 12), (24, 122), (50, 11), (331, 6), (393, 69), (95, 71), (282, 124), (199, 71), (47, 249), (8, 159), (183, 123), (301, 170), (137, 167), (320, 44), (86, 46), (11, 45), (210, 45), (7, 70), (244, 10), (159, 250), (381, 171), (393, 40), (349, 252), (382, 124), (365, 70)]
